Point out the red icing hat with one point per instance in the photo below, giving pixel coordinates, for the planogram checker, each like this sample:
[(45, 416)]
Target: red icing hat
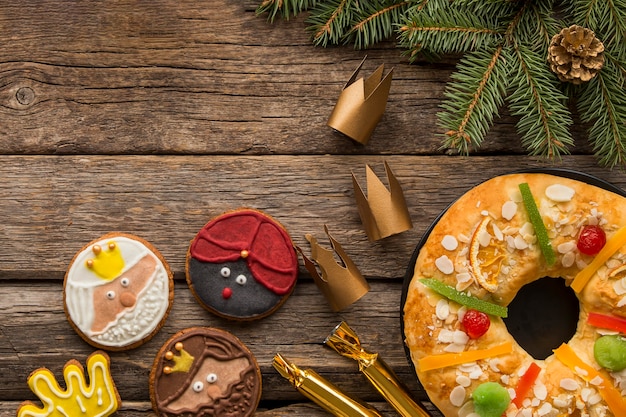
[(249, 234)]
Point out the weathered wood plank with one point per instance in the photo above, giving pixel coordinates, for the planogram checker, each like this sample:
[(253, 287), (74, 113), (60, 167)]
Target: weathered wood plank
[(172, 77), (52, 206), (35, 333)]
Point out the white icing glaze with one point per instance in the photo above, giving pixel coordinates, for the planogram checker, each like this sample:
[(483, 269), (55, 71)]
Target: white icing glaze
[(132, 325)]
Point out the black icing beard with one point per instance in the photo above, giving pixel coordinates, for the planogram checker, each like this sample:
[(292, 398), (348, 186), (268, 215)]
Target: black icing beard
[(246, 301)]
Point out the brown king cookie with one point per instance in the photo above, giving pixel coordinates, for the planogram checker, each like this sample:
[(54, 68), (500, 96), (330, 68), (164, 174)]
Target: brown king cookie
[(201, 372)]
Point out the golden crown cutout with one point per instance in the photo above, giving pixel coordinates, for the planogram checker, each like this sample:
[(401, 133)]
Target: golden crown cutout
[(182, 362), (361, 104), (99, 398), (341, 284), (383, 212)]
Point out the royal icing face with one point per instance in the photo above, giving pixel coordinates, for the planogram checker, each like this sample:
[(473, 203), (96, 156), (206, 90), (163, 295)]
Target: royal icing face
[(117, 291), (205, 372), (242, 265)]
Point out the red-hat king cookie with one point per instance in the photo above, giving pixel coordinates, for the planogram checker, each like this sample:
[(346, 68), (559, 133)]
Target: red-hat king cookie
[(252, 236), (235, 252)]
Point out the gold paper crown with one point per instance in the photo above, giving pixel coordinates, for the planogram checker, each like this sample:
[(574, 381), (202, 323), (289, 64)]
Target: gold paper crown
[(182, 362), (361, 104), (107, 264), (383, 212), (341, 284)]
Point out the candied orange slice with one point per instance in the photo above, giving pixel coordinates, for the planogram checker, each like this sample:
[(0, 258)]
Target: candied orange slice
[(485, 256)]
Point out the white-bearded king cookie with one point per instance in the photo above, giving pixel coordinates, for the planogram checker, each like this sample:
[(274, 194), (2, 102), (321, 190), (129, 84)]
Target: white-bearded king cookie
[(118, 291)]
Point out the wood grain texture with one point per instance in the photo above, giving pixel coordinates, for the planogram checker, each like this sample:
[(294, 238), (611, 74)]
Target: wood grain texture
[(196, 78), (53, 205), (151, 117)]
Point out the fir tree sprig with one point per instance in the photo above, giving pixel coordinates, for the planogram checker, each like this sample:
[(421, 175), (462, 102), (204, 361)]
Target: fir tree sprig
[(603, 103), (504, 45), (474, 96)]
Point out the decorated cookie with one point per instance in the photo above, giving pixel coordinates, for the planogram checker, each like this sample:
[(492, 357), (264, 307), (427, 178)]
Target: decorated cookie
[(203, 372), (96, 397), (118, 292), (242, 265)]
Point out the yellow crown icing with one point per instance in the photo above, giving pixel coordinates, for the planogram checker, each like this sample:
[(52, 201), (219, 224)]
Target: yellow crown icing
[(182, 362), (99, 398), (106, 263)]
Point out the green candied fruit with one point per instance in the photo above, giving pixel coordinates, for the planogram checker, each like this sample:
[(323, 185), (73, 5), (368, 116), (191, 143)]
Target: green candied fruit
[(610, 352), (490, 399), (464, 299)]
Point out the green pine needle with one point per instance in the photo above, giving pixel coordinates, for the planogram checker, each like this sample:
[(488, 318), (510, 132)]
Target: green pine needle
[(448, 33), (473, 98), (376, 22), (284, 9), (330, 21), (602, 101), (535, 98)]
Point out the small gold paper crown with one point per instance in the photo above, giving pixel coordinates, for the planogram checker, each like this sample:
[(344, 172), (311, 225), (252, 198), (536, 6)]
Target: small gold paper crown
[(361, 104), (383, 212), (341, 284), (182, 362), (107, 264)]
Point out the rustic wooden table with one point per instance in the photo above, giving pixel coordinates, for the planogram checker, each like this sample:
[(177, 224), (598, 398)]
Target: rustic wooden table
[(152, 117)]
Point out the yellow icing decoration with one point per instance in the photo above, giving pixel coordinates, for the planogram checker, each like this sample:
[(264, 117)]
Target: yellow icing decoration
[(107, 264), (98, 399), (612, 245), (182, 363)]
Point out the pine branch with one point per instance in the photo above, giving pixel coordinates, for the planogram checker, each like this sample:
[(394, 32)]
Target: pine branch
[(536, 26), (473, 97), (330, 21), (448, 33), (376, 22), (602, 101), (536, 99), (284, 8)]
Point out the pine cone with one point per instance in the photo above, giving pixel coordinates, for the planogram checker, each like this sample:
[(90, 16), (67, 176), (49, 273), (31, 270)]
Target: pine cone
[(575, 54)]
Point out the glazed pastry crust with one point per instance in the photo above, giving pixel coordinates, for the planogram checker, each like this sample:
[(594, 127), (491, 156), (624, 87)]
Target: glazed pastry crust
[(427, 329)]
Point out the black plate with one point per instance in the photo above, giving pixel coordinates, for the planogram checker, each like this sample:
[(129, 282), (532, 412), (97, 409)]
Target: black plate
[(524, 326)]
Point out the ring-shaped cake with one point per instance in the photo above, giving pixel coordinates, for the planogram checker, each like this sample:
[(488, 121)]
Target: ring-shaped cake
[(504, 233)]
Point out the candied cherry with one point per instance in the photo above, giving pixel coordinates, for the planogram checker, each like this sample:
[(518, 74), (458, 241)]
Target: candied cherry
[(476, 323), (591, 240)]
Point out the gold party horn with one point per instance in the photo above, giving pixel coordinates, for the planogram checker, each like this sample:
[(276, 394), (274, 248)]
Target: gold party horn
[(345, 341), (322, 392)]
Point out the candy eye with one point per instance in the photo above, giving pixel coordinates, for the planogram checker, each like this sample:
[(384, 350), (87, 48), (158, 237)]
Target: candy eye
[(211, 378), (241, 279), (225, 272), (125, 282), (110, 295), (198, 386)]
